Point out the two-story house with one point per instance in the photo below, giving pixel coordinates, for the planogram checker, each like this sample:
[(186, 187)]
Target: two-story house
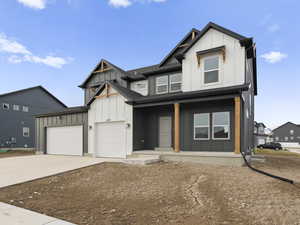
[(17, 111), (199, 98), (262, 134), (287, 133)]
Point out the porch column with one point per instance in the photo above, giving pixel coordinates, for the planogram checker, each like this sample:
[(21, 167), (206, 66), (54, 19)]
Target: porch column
[(176, 127), (237, 127)]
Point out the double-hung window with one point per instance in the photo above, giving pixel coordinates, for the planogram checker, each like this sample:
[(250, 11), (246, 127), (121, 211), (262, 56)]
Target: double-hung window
[(201, 126), (211, 69), (162, 85), (26, 132), (175, 82), (221, 125)]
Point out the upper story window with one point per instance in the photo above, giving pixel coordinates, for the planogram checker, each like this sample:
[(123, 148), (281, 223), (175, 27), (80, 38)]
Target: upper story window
[(162, 85), (211, 69), (168, 83), (5, 106), (291, 132), (175, 82), (25, 109), (16, 107)]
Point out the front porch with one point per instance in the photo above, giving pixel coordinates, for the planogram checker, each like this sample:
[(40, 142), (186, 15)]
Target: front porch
[(170, 129)]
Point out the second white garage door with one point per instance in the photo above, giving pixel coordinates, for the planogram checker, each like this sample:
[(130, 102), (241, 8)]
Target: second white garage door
[(110, 140), (65, 140)]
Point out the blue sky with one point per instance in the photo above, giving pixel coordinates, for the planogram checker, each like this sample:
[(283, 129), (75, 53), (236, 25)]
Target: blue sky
[(56, 43)]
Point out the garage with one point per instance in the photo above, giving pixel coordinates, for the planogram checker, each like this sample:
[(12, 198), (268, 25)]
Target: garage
[(111, 139), (67, 140)]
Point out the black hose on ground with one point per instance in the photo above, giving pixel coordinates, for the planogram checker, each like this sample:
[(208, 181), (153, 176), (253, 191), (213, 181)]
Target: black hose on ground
[(265, 173)]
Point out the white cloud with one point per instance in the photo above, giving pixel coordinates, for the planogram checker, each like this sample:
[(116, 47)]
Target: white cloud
[(274, 57), (56, 62), (22, 54), (119, 3), (274, 28), (35, 4), (11, 46), (126, 3)]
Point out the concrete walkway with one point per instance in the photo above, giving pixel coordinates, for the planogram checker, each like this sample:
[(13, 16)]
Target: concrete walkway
[(15, 170), (12, 215)]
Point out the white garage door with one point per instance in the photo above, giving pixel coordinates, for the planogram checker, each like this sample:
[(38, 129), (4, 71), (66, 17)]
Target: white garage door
[(110, 140), (65, 140), (261, 141)]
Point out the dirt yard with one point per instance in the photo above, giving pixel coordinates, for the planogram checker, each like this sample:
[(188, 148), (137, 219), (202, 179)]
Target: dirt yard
[(166, 193), (15, 153)]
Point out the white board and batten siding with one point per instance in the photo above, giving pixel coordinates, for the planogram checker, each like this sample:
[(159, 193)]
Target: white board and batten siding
[(140, 87), (110, 118), (232, 70)]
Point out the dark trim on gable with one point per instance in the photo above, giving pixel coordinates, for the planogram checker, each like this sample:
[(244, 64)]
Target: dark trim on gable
[(36, 87), (125, 74), (126, 92), (176, 47), (216, 27)]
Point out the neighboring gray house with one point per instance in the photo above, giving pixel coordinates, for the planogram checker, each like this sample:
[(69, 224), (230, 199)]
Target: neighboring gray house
[(17, 110), (200, 97), (261, 136), (288, 132)]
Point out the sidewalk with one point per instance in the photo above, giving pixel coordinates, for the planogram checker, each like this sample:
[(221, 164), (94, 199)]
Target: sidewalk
[(12, 215)]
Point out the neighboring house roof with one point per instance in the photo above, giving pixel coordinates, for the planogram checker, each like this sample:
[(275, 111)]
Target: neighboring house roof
[(126, 92), (32, 88), (70, 110), (286, 124), (125, 74)]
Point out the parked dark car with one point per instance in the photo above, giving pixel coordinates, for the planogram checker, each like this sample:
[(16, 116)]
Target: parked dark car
[(272, 145)]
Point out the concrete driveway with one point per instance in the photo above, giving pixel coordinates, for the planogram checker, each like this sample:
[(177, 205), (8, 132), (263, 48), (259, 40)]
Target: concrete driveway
[(17, 170)]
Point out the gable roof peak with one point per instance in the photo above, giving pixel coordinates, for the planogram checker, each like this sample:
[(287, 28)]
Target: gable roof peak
[(103, 67)]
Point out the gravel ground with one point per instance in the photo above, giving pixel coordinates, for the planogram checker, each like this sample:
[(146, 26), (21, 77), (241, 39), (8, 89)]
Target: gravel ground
[(166, 193), (15, 153)]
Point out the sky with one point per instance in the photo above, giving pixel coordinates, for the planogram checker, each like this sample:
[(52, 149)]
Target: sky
[(57, 43)]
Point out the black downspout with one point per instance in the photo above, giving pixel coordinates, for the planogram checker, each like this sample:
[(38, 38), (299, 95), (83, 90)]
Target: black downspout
[(265, 173)]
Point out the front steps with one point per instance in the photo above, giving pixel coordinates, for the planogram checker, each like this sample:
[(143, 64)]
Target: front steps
[(214, 158)]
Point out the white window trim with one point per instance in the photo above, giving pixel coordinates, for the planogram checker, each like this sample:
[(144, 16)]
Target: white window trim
[(25, 110), (7, 105), (156, 85), (204, 71), (177, 82), (27, 132), (16, 106), (208, 126), (213, 127)]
